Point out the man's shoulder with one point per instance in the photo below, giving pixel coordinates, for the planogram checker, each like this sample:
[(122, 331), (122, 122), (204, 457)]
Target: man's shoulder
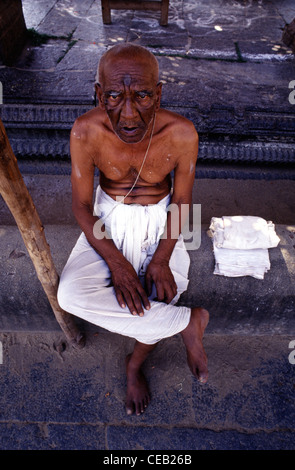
[(179, 126), (88, 124)]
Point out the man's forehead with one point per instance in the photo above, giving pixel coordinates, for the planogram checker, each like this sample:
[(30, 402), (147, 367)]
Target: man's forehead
[(129, 71), (122, 78)]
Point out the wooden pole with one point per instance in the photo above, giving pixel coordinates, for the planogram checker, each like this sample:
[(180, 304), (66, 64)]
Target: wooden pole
[(19, 201)]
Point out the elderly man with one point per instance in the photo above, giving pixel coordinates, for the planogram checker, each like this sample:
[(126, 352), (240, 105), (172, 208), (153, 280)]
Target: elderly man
[(127, 270)]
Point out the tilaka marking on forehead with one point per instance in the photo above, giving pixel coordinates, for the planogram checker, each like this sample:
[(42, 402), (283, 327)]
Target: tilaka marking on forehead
[(127, 80)]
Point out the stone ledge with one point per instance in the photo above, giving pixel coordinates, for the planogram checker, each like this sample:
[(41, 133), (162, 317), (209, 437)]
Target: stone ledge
[(237, 305)]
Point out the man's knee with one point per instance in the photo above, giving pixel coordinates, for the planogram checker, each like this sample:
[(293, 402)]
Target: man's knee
[(65, 294)]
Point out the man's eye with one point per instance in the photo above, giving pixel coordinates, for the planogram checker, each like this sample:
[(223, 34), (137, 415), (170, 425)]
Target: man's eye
[(142, 95), (113, 95)]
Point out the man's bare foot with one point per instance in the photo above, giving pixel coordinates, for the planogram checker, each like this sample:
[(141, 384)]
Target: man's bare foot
[(138, 396), (192, 336)]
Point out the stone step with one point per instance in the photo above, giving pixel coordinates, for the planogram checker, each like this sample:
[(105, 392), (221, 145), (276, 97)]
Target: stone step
[(55, 397), (228, 72), (249, 139), (243, 306)]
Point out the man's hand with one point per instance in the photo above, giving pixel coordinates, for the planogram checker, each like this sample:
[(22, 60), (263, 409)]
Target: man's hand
[(128, 288), (160, 274)]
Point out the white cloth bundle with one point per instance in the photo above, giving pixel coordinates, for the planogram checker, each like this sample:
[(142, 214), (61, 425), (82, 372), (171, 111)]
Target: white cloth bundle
[(241, 244)]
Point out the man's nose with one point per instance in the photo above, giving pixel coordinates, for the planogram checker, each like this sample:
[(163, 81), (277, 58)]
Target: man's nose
[(129, 110)]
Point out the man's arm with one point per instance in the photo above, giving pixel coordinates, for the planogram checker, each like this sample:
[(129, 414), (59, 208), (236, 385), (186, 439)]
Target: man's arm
[(128, 288), (158, 271)]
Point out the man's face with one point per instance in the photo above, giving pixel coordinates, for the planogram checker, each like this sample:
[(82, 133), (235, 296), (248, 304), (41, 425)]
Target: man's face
[(130, 95)]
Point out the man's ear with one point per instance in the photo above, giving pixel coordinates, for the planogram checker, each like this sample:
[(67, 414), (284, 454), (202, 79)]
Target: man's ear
[(99, 94), (159, 94)]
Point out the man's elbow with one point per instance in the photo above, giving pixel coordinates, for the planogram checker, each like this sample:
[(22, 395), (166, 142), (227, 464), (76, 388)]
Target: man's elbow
[(81, 210), (182, 200)]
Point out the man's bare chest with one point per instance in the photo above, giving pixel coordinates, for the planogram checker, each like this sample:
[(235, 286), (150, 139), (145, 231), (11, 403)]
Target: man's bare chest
[(126, 166)]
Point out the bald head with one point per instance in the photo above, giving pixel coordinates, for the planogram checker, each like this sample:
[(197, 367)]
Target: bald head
[(130, 52)]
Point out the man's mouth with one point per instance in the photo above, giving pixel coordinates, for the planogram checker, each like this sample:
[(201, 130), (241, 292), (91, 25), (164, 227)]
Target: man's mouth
[(130, 133), (129, 129)]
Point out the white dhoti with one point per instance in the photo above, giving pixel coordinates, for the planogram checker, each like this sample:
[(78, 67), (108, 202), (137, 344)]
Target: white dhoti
[(85, 288)]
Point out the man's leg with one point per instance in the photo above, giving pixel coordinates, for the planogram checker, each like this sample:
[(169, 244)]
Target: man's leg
[(192, 336), (138, 396)]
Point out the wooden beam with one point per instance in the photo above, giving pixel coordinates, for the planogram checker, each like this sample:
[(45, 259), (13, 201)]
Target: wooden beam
[(133, 5), (20, 203)]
